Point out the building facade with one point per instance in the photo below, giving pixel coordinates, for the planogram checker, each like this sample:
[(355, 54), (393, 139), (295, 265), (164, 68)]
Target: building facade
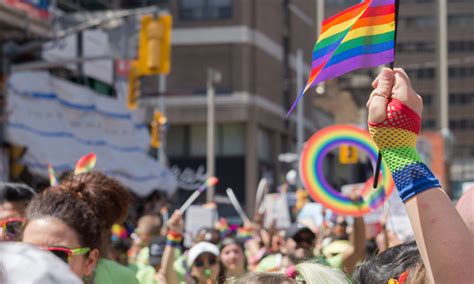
[(416, 51), (253, 44)]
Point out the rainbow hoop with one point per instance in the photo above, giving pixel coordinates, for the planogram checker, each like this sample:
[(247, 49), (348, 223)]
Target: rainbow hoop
[(311, 170)]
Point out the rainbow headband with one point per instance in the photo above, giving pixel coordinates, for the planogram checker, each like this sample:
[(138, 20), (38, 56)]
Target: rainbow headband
[(312, 176)]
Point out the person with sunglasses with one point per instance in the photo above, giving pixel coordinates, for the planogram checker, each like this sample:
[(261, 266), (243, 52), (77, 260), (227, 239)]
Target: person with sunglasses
[(73, 221), (203, 263), (14, 198), (61, 223)]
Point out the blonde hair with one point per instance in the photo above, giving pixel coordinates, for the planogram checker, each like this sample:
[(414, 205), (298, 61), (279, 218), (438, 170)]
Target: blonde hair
[(309, 272), (312, 273)]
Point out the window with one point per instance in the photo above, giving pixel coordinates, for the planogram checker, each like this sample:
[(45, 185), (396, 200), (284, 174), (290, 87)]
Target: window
[(232, 139), (229, 140), (422, 73), (462, 99), (341, 3), (429, 123), (461, 21), (176, 141), (416, 47), (264, 145), (461, 72), (461, 124), (427, 99), (190, 10), (461, 46), (198, 141), (418, 1), (417, 22)]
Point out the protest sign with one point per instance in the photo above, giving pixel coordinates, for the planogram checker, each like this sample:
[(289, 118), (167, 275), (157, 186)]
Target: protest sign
[(198, 217), (313, 212), (276, 208)]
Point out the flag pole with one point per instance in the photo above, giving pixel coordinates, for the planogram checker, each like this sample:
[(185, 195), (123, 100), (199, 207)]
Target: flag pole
[(379, 157)]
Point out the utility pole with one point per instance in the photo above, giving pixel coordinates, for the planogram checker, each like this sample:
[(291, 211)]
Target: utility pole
[(161, 93), (213, 76), (442, 84), (319, 22), (300, 106), (442, 60)]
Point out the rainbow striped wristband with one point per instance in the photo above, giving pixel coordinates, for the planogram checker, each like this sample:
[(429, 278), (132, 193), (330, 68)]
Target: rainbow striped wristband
[(396, 139), (173, 239)]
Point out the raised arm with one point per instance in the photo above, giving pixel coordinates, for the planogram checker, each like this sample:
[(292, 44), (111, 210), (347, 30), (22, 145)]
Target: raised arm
[(356, 252), (443, 239), (174, 236)]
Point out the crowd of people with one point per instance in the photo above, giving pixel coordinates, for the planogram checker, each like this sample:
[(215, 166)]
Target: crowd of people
[(85, 221)]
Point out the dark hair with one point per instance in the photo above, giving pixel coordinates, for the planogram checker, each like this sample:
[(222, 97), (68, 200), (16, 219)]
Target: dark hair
[(65, 206), (107, 198), (231, 241), (388, 264), (15, 192), (90, 203), (226, 242)]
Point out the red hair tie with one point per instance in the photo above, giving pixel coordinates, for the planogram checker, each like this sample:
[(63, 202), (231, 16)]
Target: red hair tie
[(291, 272), (401, 279)]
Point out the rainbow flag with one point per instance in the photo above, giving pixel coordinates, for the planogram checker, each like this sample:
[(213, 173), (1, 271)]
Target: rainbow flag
[(244, 233), (360, 37), (53, 181), (374, 198), (85, 164)]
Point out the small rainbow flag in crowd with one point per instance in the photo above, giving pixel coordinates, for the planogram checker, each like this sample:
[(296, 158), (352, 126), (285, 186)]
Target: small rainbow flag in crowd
[(85, 164), (244, 233), (53, 181), (223, 228), (374, 198), (360, 37)]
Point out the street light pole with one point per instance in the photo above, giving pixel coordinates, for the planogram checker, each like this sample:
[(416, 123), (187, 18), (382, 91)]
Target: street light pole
[(161, 149), (442, 58), (319, 22), (442, 85), (213, 76)]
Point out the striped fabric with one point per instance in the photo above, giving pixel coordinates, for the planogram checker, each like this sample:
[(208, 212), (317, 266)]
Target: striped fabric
[(396, 139), (359, 37)]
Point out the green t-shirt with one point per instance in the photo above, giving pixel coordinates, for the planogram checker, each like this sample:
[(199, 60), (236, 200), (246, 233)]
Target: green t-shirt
[(334, 251), (179, 265), (146, 274), (273, 263), (110, 272), (143, 256)]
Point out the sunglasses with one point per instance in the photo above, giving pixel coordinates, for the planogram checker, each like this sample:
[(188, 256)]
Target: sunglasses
[(12, 226), (65, 254), (200, 262)]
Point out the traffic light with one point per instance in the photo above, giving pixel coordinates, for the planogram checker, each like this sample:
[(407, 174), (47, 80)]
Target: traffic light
[(159, 120), (154, 50), (154, 46), (348, 154), (133, 85)]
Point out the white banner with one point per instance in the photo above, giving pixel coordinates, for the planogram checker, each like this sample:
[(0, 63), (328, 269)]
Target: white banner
[(60, 122), (95, 44)]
